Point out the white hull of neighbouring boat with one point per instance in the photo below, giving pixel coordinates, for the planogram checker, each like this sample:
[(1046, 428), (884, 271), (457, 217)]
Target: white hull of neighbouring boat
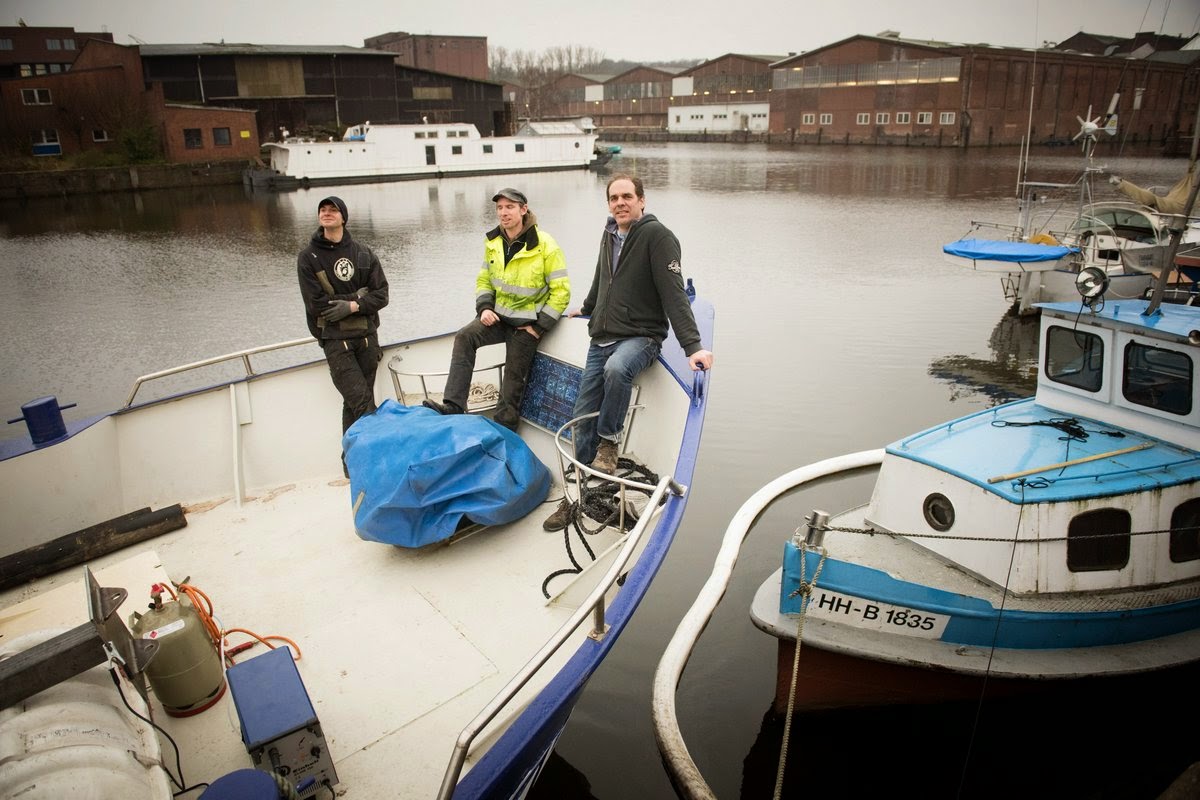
[(370, 153), (402, 649)]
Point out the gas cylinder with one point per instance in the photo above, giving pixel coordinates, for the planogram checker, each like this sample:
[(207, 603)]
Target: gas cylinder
[(185, 673)]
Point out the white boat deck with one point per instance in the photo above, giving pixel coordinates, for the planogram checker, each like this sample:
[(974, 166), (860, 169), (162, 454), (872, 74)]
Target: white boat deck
[(400, 648)]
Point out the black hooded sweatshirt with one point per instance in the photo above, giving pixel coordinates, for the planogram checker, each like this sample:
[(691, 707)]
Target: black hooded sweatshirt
[(348, 266)]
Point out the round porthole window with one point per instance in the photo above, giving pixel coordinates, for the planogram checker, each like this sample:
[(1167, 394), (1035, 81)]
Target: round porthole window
[(939, 512)]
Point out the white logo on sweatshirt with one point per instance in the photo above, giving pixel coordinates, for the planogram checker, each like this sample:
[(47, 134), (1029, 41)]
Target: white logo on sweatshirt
[(674, 267), (344, 269)]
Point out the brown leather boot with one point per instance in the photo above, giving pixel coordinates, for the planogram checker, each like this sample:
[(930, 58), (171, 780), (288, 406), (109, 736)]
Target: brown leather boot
[(606, 457), (561, 517)]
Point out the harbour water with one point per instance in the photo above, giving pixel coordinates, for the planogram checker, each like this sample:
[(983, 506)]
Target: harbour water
[(838, 328)]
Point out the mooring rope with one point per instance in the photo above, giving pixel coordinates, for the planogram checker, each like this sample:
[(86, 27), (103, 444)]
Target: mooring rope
[(805, 589)]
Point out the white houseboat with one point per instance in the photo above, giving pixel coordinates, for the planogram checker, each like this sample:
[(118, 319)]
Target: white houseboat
[(368, 153)]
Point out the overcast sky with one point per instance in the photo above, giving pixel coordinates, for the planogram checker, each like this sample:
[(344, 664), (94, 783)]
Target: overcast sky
[(652, 30)]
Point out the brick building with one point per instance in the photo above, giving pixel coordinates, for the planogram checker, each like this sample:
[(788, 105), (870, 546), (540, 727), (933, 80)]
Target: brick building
[(884, 89), (465, 56), (320, 90), (103, 101), (27, 52), (642, 97)]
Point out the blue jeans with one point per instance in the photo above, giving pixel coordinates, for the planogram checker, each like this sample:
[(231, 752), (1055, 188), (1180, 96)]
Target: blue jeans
[(607, 386)]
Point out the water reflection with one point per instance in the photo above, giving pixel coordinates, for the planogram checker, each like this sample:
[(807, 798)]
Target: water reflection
[(1010, 373)]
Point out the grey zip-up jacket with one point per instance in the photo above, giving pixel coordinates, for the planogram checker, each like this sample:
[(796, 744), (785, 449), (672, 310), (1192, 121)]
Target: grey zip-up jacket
[(644, 292)]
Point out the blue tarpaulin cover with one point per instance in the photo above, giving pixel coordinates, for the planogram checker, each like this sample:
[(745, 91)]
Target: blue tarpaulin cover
[(996, 250), (414, 474)]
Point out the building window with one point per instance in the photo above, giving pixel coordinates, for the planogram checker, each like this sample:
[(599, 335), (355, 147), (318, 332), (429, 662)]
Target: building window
[(53, 44), (40, 69), (827, 119), (100, 135), (5, 44), (35, 97), (56, 68), (924, 117), (193, 139), (221, 137), (68, 44), (946, 118), (903, 118), (808, 119), (520, 147), (45, 143), (456, 150), (433, 93), (863, 119), (881, 118), (677, 117), (487, 149), (26, 70)]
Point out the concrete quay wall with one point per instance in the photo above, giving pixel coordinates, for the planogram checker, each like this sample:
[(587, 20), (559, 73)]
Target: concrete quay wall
[(61, 183)]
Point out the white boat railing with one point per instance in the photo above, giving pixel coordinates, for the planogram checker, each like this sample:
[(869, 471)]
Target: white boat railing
[(244, 355), (592, 604), (685, 775)]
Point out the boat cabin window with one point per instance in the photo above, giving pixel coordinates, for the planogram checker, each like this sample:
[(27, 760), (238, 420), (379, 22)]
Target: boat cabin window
[(1094, 540), (1185, 531), (1075, 358), (1158, 378), (1124, 222)]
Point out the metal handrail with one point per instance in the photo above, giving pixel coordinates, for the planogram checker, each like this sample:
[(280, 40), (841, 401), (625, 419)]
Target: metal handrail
[(685, 775), (244, 355), (402, 396), (594, 599)]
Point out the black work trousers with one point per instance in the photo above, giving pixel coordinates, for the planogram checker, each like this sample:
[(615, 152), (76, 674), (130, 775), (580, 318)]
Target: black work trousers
[(352, 364), (520, 347)]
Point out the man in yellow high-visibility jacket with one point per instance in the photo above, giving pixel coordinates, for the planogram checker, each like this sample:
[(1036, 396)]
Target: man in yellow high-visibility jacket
[(520, 293)]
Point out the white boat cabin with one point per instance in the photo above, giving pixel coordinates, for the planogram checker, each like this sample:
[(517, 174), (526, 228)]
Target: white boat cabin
[(1109, 446)]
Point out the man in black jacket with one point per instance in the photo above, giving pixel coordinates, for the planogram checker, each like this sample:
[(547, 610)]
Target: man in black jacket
[(637, 288), (343, 287)]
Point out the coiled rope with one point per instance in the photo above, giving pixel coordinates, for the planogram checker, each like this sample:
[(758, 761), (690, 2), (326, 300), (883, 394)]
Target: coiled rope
[(600, 503)]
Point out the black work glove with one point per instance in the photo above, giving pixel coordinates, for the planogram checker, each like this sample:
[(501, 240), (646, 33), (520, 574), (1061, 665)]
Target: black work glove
[(338, 310), (361, 293)]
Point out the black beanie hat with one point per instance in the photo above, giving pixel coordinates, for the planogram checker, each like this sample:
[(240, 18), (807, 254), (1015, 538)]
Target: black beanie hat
[(337, 201)]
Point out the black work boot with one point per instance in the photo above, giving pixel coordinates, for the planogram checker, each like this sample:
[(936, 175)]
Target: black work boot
[(442, 408)]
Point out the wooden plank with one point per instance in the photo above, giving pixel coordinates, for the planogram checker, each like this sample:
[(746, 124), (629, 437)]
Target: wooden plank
[(87, 544), (1072, 462)]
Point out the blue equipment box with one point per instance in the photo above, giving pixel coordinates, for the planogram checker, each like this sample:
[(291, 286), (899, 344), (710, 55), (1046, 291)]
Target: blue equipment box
[(279, 727)]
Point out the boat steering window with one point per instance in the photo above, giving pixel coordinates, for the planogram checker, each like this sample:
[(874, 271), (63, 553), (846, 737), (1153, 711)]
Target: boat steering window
[(939, 512), (1095, 543), (1075, 358), (1157, 378)]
